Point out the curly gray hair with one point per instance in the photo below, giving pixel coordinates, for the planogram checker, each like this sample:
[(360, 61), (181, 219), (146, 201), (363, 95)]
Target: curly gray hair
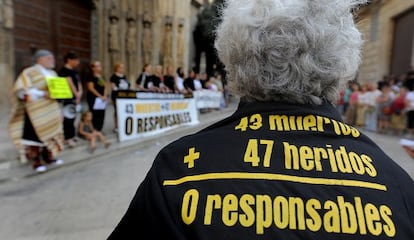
[(296, 51)]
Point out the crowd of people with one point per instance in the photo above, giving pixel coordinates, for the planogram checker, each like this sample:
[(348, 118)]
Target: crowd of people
[(42, 142), (385, 106)]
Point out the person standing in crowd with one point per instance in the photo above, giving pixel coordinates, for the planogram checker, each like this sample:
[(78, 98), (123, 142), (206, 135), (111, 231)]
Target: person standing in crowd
[(191, 83), (397, 112), (70, 106), (409, 80), (409, 103), (35, 124), (204, 78), (350, 114), (88, 132), (141, 84), (362, 106), (284, 165), (211, 84), (179, 81), (169, 80), (97, 95), (384, 102), (371, 114), (118, 81), (156, 83)]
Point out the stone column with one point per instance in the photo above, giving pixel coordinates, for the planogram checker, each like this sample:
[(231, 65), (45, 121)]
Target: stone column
[(114, 42), (131, 45), (6, 53), (7, 75), (167, 43), (180, 43), (147, 33)]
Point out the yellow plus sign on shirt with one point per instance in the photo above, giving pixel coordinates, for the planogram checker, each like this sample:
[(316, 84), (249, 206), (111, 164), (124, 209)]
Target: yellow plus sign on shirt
[(191, 157)]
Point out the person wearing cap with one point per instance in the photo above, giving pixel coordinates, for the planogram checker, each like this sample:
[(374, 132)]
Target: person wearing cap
[(35, 124), (284, 165), (71, 61)]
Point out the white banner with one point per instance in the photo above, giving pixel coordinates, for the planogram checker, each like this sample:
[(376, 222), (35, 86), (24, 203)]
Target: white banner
[(207, 98), (147, 117)]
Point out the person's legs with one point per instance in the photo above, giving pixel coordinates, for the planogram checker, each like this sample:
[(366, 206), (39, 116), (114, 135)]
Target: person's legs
[(48, 157), (69, 131), (33, 155), (115, 130), (98, 119), (102, 138), (92, 143)]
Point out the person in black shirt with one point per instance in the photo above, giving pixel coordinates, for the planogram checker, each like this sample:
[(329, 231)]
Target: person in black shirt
[(155, 83), (169, 80), (118, 82), (191, 83), (284, 165), (143, 80), (97, 95), (70, 106)]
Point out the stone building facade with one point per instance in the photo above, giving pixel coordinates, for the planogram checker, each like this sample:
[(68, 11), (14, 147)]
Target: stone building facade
[(134, 32), (388, 30)]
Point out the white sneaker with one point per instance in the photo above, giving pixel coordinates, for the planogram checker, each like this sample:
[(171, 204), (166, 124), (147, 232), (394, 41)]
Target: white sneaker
[(58, 162), (41, 169)]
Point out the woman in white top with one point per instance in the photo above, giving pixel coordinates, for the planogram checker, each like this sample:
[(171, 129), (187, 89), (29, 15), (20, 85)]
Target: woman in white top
[(179, 80)]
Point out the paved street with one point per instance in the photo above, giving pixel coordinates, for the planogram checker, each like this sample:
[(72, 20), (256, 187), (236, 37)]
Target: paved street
[(85, 200), (82, 201)]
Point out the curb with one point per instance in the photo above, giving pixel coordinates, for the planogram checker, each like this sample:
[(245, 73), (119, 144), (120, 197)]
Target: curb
[(19, 172)]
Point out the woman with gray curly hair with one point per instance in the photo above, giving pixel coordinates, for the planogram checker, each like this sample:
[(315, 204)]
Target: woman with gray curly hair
[(292, 51), (284, 165)]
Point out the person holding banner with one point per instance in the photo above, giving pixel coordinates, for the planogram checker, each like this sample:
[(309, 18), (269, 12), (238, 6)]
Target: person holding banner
[(284, 165), (71, 106), (35, 124), (97, 95)]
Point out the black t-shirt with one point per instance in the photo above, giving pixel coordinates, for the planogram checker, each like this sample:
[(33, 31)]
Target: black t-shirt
[(273, 171), (189, 83), (169, 81), (154, 80), (98, 84), (66, 72), (121, 83)]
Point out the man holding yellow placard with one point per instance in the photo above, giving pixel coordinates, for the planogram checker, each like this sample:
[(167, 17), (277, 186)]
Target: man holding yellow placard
[(72, 95), (35, 124)]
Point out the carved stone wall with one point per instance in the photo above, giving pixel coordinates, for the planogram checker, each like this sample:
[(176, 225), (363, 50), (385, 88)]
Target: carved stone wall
[(6, 53), (136, 32), (165, 26)]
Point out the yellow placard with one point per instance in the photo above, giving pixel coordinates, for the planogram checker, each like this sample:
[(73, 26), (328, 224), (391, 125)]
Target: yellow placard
[(59, 88)]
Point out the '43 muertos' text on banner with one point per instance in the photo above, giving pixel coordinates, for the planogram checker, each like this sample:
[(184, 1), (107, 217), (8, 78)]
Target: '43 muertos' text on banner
[(147, 117)]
